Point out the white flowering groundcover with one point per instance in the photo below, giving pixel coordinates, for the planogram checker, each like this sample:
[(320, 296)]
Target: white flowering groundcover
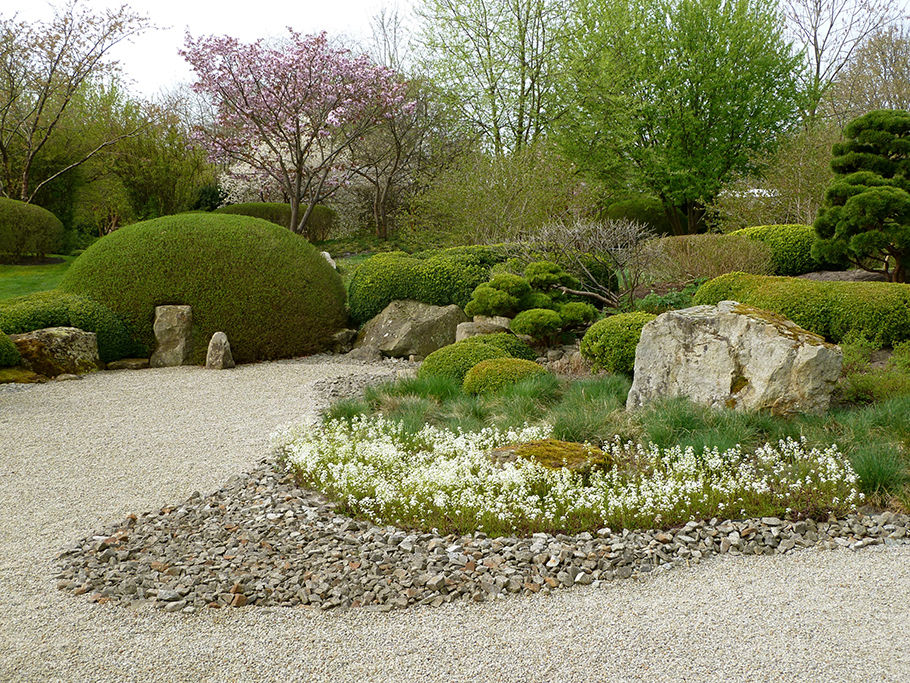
[(439, 479)]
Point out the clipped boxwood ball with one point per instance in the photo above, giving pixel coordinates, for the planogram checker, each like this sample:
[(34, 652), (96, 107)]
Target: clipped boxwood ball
[(610, 344), (489, 376), (27, 229), (454, 361), (9, 354), (505, 341), (59, 309), (267, 289), (539, 323), (791, 246)]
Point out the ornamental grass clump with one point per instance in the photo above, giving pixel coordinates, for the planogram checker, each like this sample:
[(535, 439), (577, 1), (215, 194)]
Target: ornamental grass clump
[(436, 478)]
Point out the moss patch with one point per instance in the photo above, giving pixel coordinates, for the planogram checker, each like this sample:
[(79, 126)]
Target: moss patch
[(555, 454)]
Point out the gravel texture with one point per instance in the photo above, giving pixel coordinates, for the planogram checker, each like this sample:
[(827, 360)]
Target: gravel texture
[(76, 456)]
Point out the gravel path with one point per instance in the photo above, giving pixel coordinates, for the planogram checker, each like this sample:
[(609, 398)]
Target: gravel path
[(76, 455)]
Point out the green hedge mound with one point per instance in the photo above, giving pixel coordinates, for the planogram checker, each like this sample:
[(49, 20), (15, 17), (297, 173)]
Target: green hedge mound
[(504, 341), (791, 246), (489, 376), (447, 276), (320, 222), (9, 354), (268, 289), (454, 361), (59, 309), (539, 323), (28, 230), (878, 310), (610, 343)]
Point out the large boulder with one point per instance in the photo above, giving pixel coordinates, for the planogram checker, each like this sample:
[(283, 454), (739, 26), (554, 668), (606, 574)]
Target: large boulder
[(173, 336), (56, 351), (734, 356), (411, 328)]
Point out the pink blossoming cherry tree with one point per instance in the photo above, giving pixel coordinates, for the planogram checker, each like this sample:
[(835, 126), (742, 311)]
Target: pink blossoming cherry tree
[(288, 114)]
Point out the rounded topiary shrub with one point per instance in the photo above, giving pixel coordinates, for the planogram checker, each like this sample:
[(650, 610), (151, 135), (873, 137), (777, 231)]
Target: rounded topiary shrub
[(454, 361), (504, 341), (59, 309), (268, 289), (577, 313), (791, 246), (489, 376), (539, 323), (9, 354), (28, 230), (610, 343), (319, 224)]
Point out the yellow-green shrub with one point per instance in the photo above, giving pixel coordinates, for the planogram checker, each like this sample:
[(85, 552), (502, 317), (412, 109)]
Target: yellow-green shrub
[(878, 310), (454, 361), (504, 341), (539, 323), (610, 343), (791, 246), (489, 376), (9, 354)]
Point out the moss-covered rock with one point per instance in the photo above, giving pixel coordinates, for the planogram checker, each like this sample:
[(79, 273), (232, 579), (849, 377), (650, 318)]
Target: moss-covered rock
[(555, 454)]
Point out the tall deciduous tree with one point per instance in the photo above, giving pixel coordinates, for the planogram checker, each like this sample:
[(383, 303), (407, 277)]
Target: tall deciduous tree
[(43, 67), (683, 92), (289, 113), (829, 33), (497, 59)]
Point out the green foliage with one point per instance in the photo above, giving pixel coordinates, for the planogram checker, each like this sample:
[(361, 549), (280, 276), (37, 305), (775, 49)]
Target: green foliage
[(489, 376), (319, 224), (28, 230), (9, 354), (684, 91), (863, 383), (684, 258), (588, 410), (644, 209), (502, 295), (454, 361), (58, 309), (539, 323), (878, 310), (543, 275), (866, 215), (670, 301), (791, 246), (505, 341), (268, 289), (610, 343), (576, 314), (447, 276)]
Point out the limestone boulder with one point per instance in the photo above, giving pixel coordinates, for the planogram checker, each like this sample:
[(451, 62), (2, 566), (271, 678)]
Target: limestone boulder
[(734, 356), (55, 351), (173, 327), (411, 328), (219, 353), (475, 329)]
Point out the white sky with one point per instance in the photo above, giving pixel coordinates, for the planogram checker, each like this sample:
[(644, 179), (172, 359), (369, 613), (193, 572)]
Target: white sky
[(151, 62)]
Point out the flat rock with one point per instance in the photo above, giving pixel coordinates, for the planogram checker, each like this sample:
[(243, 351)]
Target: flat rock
[(475, 329), (412, 328), (219, 354), (128, 364), (56, 351), (173, 326), (734, 356)]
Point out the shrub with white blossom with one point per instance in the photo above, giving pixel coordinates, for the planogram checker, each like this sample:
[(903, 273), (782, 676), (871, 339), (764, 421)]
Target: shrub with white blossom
[(440, 479)]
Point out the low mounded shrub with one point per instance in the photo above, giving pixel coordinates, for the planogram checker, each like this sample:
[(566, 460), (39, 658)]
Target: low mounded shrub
[(610, 343), (502, 295), (504, 341), (880, 311), (689, 257), (539, 323), (268, 289), (59, 309), (577, 314), (489, 376), (318, 226), (28, 230), (454, 361), (9, 354), (643, 209), (791, 246), (447, 276)]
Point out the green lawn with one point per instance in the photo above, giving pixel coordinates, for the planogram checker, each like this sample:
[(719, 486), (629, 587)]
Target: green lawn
[(20, 280)]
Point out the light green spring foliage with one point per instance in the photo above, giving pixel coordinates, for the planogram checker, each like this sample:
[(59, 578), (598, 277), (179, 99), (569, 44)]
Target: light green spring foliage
[(791, 246), (489, 376), (539, 323), (878, 310), (454, 361), (28, 230), (610, 343), (9, 354), (505, 341)]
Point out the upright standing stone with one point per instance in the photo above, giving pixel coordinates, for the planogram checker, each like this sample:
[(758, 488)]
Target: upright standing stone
[(219, 356), (173, 326)]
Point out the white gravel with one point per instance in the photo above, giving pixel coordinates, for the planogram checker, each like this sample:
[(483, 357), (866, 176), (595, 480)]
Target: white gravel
[(76, 455)]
